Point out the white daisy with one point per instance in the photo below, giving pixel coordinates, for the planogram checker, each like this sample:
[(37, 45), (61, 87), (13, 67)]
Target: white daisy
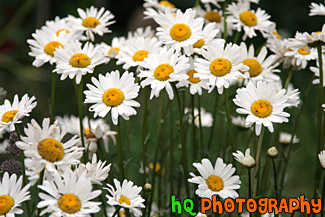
[(279, 48), (74, 61), (181, 30), (68, 195), (159, 5), (12, 195), (221, 64), (301, 56), (215, 2), (263, 105), (93, 21), (316, 71), (146, 32), (127, 196), (316, 9), (43, 45), (161, 68), (246, 160), (285, 138), (112, 93), (305, 39), (206, 117), (196, 84), (114, 48), (45, 148), (240, 122), (136, 50), (292, 94), (242, 17), (12, 113), (217, 180)]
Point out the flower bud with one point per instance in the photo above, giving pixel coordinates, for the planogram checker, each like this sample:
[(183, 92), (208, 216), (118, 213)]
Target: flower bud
[(272, 152)]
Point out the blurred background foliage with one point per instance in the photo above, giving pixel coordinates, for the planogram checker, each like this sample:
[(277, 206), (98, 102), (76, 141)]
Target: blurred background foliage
[(20, 18)]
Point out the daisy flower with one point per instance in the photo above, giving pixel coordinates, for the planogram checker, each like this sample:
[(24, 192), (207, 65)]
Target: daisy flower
[(239, 121), (285, 138), (127, 196), (221, 65), (303, 40), (292, 94), (263, 105), (12, 113), (241, 17), (113, 93), (114, 48), (246, 160), (279, 48), (146, 32), (93, 21), (74, 61), (217, 180), (43, 45), (68, 195), (46, 148), (12, 195), (196, 84), (316, 9), (159, 5), (215, 2), (260, 67), (161, 68), (136, 50), (301, 56), (316, 71), (206, 117), (181, 30), (321, 157)]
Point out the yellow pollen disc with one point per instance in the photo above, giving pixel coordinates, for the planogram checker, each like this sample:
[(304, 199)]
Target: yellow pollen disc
[(6, 202), (304, 51), (50, 150), (61, 30), (158, 166), (220, 67), (277, 35), (9, 116), (163, 71), (191, 77), (261, 108), (89, 134), (115, 49), (90, 22), (125, 200), (180, 32), (122, 214), (248, 18), (51, 47), (213, 16), (214, 183), (167, 4), (255, 68), (113, 97), (140, 55), (69, 203), (79, 60), (199, 43)]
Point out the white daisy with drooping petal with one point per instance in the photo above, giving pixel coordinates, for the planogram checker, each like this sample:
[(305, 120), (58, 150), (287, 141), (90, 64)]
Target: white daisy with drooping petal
[(243, 18), (12, 194), (126, 195), (316, 71), (221, 64), (162, 68), (75, 61), (113, 93), (181, 30), (68, 195), (246, 160), (218, 180), (93, 21), (12, 113), (47, 149), (317, 9), (263, 105)]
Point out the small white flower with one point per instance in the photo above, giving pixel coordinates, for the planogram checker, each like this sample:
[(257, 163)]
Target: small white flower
[(321, 157), (272, 152), (301, 56), (246, 160), (285, 138)]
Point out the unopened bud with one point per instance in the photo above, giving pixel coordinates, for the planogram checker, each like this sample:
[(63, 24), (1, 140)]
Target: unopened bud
[(248, 162), (272, 152), (147, 187)]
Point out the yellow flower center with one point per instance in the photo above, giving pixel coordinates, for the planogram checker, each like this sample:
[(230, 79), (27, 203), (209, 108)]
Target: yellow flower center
[(199, 43), (277, 35), (61, 30), (79, 60), (213, 16), (214, 183), (261, 108), (167, 4), (122, 214), (113, 97), (69, 203), (220, 67), (140, 55), (191, 77), (9, 116), (90, 22), (89, 134), (158, 166), (6, 202), (255, 68), (115, 49), (180, 32), (163, 71), (304, 51), (248, 18), (51, 47), (50, 150), (125, 200)]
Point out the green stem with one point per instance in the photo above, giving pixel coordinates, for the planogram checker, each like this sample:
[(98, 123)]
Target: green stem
[(79, 89), (225, 20), (144, 134), (231, 137), (116, 211), (52, 112), (197, 2), (323, 200), (200, 123), (171, 143), (237, 36), (258, 156), (194, 144), (275, 180), (214, 113), (119, 151), (249, 187), (288, 79)]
